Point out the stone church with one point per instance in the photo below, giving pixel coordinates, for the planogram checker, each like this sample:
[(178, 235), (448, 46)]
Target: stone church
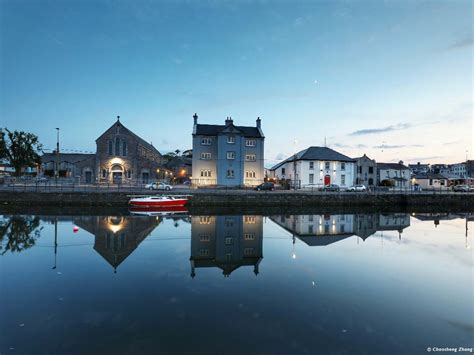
[(121, 157)]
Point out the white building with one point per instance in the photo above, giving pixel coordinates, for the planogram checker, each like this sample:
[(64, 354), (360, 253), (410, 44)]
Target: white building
[(316, 166), (394, 174)]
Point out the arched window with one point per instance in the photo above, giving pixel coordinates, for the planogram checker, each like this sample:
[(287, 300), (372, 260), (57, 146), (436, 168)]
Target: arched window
[(117, 146), (124, 148), (110, 148)]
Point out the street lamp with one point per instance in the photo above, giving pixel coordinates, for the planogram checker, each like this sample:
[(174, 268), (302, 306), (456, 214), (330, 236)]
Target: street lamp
[(57, 155)]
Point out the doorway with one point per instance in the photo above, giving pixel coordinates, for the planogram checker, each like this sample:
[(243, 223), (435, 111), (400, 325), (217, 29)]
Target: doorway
[(327, 180), (88, 177)]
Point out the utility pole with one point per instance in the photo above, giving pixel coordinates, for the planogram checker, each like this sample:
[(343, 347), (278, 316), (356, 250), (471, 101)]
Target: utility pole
[(294, 163), (57, 156)]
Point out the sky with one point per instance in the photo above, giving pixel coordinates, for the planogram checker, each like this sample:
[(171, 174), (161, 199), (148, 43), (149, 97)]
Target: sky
[(390, 79)]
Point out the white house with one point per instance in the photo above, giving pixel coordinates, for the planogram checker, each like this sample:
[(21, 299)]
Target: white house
[(430, 181), (316, 166), (394, 174)]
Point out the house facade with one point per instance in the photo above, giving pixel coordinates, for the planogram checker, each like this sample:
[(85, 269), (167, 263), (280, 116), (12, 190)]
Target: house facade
[(366, 171), (431, 181), (394, 174), (419, 168), (316, 166), (121, 157), (227, 155)]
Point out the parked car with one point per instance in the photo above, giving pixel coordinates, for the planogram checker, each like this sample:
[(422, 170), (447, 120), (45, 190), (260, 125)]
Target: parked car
[(357, 188), (158, 186), (331, 187), (187, 183), (41, 179), (461, 188), (266, 186)]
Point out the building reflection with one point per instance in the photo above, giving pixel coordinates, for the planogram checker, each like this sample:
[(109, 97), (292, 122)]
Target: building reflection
[(325, 229), (116, 237), (226, 242)]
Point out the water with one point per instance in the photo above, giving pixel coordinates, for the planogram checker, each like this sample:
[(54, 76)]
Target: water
[(286, 284)]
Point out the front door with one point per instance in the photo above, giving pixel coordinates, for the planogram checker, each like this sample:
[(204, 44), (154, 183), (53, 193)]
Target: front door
[(145, 177), (327, 179), (117, 177), (88, 177)]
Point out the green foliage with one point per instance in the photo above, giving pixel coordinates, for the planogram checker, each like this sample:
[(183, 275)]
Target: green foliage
[(18, 233), (20, 148)]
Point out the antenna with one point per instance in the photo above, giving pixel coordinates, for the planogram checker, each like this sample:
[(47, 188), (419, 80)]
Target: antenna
[(325, 145)]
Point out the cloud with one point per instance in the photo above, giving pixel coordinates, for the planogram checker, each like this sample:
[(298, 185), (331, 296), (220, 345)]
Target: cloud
[(460, 44), (348, 146), (451, 143), (387, 146), (390, 128)]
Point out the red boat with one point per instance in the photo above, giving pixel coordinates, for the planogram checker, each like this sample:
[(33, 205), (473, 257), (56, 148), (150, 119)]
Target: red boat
[(159, 211), (159, 201)]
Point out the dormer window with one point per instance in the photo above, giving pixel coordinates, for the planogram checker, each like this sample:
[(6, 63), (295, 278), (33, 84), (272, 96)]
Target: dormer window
[(231, 139)]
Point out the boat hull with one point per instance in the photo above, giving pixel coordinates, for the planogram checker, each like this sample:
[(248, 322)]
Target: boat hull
[(164, 204)]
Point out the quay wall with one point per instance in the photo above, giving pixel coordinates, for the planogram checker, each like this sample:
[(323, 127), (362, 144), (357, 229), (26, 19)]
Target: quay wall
[(244, 199)]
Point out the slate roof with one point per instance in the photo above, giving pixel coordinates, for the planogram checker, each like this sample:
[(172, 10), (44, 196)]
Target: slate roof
[(316, 153), (127, 131), (66, 157), (394, 166), (214, 130), (430, 176)]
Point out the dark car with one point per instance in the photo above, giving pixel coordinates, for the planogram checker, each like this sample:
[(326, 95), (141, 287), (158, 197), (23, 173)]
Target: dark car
[(461, 188), (331, 187), (266, 186)]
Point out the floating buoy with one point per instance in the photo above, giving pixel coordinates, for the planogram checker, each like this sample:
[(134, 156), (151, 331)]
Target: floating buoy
[(75, 229)]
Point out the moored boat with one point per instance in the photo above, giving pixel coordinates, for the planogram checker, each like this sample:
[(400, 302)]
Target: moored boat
[(159, 211), (159, 201)]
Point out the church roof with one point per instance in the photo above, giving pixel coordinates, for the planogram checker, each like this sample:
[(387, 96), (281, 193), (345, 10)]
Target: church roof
[(128, 131)]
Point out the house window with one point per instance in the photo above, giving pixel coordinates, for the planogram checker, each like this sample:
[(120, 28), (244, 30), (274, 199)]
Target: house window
[(283, 171), (230, 174), (343, 180), (204, 252), (104, 172), (250, 142), (204, 238), (110, 148), (343, 166), (228, 256), (206, 141), (326, 165), (249, 251), (311, 179), (229, 222), (342, 228), (205, 173), (206, 156), (371, 182), (204, 220), (229, 240), (124, 148), (431, 182), (250, 174), (117, 146), (230, 155), (250, 220), (250, 157), (129, 174), (310, 229), (371, 169), (311, 165), (249, 236), (311, 218), (231, 139)]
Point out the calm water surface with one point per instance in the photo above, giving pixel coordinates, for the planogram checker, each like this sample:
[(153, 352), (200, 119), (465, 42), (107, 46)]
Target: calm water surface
[(240, 284)]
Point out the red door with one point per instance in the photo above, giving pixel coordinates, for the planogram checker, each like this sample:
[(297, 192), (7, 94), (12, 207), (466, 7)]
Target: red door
[(327, 179)]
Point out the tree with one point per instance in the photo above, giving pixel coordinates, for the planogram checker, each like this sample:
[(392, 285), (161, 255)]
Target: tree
[(20, 148), (21, 233)]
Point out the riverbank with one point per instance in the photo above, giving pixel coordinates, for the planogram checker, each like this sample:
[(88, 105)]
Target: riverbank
[(239, 198)]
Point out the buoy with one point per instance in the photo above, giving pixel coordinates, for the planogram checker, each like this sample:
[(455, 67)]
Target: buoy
[(75, 229)]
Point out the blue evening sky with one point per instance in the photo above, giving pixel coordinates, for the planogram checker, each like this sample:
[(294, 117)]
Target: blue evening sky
[(392, 79)]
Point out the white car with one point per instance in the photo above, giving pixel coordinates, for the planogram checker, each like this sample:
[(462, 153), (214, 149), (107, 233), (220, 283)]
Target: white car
[(357, 188), (158, 186)]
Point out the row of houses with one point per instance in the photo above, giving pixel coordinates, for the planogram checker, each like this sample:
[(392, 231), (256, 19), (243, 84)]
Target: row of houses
[(228, 155)]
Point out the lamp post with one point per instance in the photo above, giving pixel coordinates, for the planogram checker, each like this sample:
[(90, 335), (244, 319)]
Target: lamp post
[(57, 155)]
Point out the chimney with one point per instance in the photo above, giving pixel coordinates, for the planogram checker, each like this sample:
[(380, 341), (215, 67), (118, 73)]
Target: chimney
[(229, 121), (195, 118), (259, 122)]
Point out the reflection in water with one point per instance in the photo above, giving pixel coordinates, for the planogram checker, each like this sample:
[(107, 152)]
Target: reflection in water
[(327, 229), (18, 233), (226, 242), (117, 237)]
